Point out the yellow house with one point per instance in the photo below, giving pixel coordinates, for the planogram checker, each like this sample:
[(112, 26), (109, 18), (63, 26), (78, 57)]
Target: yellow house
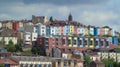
[(70, 41), (71, 29), (91, 45), (86, 32)]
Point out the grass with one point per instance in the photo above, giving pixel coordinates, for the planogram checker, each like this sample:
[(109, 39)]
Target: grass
[(27, 52)]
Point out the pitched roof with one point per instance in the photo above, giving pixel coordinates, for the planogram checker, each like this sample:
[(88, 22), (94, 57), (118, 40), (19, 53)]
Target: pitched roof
[(8, 60)]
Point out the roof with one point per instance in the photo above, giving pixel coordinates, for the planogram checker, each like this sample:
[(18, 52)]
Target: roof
[(5, 53), (8, 33), (2, 61)]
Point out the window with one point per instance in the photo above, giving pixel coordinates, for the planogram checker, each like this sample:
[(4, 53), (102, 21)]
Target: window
[(107, 43), (49, 65), (42, 30), (90, 42), (69, 41), (101, 43), (63, 41), (42, 27), (74, 41), (80, 42), (96, 43), (85, 42)]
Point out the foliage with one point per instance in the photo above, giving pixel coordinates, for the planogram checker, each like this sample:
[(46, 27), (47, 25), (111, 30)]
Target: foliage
[(87, 60), (109, 62), (19, 47), (13, 48), (38, 50), (119, 39), (51, 19), (27, 52), (1, 65)]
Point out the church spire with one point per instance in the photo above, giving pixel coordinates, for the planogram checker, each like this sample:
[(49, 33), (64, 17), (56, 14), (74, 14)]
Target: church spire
[(70, 17)]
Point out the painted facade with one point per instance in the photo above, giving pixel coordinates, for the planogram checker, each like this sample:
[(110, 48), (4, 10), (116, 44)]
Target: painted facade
[(86, 31), (91, 45), (67, 30), (71, 29)]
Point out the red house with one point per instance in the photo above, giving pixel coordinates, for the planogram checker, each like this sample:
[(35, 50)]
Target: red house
[(15, 26)]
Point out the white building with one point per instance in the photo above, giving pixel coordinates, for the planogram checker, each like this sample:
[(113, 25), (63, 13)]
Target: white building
[(57, 30), (42, 30), (91, 30), (52, 30), (106, 30), (30, 37)]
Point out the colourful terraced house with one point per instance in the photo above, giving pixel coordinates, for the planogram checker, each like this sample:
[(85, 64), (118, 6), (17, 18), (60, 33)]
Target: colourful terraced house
[(70, 41), (61, 28), (91, 30), (67, 30), (97, 43), (75, 41), (71, 29), (80, 43), (86, 31), (102, 42), (86, 42), (64, 41), (91, 45), (82, 30), (57, 30)]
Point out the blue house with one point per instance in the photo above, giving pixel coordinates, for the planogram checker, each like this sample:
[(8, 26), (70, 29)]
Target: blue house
[(115, 41), (67, 30), (97, 43), (47, 30), (96, 31), (80, 42)]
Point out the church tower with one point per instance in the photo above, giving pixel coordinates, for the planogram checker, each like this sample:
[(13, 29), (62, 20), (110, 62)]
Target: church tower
[(70, 17)]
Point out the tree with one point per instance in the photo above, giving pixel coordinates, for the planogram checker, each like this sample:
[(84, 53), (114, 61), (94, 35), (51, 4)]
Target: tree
[(51, 19), (10, 46), (34, 50), (38, 50), (1, 65), (109, 62), (19, 47), (87, 60)]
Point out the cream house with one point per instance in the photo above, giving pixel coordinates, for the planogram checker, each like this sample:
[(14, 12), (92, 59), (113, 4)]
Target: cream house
[(7, 39)]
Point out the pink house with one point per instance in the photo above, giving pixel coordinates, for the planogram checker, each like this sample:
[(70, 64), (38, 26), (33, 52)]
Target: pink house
[(78, 31), (101, 31), (64, 41), (75, 30), (61, 28)]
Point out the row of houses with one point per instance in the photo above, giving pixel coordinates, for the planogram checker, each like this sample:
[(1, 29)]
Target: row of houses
[(69, 29), (77, 42)]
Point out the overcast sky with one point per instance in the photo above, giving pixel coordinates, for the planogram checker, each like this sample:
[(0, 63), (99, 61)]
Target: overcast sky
[(89, 12)]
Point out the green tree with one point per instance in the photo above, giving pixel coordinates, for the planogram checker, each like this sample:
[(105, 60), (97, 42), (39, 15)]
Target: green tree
[(51, 19), (34, 50), (109, 62), (19, 47), (1, 65), (38, 50), (10, 47), (87, 60)]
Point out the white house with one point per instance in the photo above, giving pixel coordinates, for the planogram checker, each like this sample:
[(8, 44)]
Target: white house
[(52, 30), (42, 30)]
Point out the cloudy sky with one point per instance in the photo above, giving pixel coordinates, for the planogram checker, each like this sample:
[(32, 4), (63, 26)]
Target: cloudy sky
[(89, 12)]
